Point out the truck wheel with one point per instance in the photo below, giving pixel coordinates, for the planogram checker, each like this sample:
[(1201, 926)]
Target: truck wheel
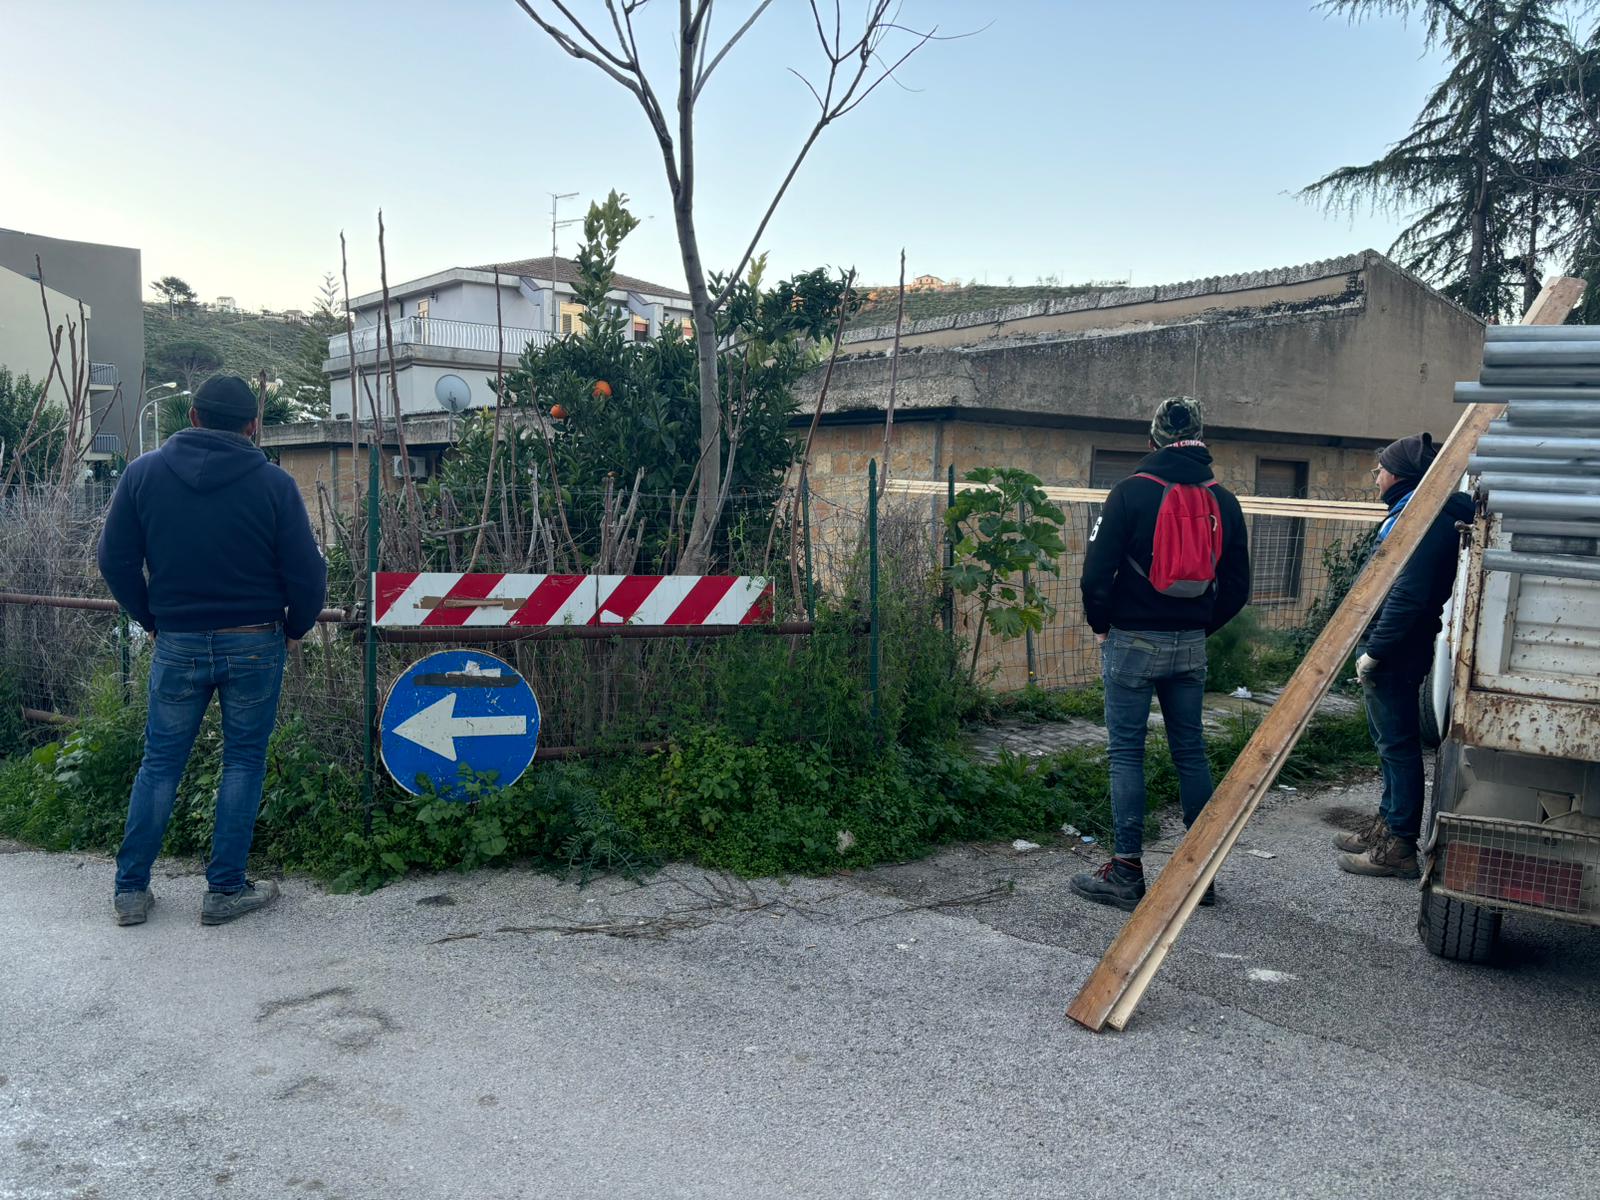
[(1457, 930)]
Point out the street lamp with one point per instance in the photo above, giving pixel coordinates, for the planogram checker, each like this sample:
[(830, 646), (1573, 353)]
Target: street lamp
[(146, 406)]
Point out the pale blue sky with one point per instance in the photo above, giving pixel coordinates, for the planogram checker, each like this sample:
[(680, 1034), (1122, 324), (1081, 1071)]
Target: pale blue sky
[(232, 142)]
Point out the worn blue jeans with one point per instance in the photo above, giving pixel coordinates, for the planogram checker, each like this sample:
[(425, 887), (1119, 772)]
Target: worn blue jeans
[(1171, 665), (1393, 700), (245, 672)]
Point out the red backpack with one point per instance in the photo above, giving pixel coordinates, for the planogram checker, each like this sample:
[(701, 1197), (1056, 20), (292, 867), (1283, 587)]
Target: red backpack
[(1188, 540)]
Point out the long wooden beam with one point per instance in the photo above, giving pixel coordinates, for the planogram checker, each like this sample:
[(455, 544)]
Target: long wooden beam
[(1116, 985), (1266, 506)]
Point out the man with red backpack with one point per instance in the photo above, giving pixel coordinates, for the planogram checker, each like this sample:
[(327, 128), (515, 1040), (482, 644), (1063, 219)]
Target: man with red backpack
[(1168, 565)]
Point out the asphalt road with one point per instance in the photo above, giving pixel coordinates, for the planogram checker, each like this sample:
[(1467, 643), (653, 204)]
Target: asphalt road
[(860, 1036)]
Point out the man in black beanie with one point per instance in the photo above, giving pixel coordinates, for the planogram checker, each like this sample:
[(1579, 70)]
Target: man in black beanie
[(1396, 655), (207, 545)]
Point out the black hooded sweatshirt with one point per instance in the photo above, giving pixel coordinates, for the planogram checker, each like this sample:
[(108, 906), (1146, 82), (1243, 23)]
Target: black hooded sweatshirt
[(224, 535), (1115, 594), (1402, 635)]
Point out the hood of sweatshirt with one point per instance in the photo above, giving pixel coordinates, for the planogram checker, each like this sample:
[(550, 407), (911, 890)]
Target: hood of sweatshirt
[(208, 459), (1179, 464)]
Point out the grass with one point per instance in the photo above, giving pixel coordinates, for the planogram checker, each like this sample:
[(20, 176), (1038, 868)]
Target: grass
[(970, 299), (249, 343)]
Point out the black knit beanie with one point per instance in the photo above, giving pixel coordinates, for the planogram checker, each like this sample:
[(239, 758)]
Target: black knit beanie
[(1410, 457)]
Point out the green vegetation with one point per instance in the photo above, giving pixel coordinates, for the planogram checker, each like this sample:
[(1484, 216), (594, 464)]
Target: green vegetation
[(881, 302), (1006, 531), (245, 344)]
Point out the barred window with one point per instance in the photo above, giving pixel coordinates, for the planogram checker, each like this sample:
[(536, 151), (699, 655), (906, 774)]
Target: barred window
[(1278, 544)]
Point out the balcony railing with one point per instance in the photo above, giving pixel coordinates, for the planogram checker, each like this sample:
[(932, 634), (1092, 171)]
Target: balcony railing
[(434, 331), (104, 376)]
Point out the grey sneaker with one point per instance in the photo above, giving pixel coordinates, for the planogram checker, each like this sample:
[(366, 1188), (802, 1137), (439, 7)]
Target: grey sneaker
[(1391, 856), (1365, 838), (133, 907), (218, 908)]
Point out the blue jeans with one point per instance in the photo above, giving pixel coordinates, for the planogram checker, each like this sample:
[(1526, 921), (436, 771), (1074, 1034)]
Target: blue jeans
[(1393, 699), (245, 671), (1171, 665)]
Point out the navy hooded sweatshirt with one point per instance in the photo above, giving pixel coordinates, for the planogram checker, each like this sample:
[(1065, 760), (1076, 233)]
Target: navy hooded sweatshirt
[(224, 536)]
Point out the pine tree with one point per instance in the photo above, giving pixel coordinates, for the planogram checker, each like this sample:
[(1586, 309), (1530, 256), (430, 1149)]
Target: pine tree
[(1467, 170), (305, 387)]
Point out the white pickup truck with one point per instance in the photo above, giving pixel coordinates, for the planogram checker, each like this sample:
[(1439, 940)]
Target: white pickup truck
[(1515, 822)]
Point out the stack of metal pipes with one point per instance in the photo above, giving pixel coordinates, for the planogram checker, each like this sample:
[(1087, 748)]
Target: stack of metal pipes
[(1538, 466)]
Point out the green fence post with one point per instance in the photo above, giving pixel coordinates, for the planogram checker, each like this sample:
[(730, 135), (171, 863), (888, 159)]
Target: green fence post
[(873, 631), (124, 656), (949, 559), (805, 526), (1027, 633), (374, 532)]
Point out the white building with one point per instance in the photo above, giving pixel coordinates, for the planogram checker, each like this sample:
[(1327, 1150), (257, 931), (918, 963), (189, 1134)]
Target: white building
[(444, 325)]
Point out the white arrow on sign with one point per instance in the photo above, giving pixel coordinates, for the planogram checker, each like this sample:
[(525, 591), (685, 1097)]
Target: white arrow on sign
[(437, 727)]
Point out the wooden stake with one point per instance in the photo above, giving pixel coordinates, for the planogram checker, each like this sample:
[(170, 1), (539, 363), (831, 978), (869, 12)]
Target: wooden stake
[(1115, 987)]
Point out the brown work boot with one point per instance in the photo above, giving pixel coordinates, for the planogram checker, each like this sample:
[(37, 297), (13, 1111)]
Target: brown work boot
[(1389, 856), (1364, 838)]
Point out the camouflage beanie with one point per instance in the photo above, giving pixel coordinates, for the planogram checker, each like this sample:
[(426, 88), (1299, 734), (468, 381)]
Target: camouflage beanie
[(1177, 419)]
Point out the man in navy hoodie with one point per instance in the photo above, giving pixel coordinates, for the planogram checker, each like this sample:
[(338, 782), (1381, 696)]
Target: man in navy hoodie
[(208, 547), (1397, 654), (1154, 643)]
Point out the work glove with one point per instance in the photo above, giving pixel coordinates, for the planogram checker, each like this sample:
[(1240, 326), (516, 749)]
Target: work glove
[(1364, 668)]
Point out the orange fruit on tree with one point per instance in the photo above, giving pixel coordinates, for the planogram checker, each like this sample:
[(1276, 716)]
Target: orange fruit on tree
[(557, 413), (601, 388)]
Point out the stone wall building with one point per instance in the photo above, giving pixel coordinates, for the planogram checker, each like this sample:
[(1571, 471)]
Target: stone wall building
[(1304, 373)]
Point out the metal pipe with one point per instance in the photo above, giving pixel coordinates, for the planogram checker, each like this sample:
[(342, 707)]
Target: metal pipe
[(1572, 376), (1471, 392), (1558, 413), (1528, 543), (1563, 484), (1542, 354), (93, 604), (561, 633), (1540, 333), (1584, 529), (1554, 566), (1478, 464), (1544, 504), (1493, 445)]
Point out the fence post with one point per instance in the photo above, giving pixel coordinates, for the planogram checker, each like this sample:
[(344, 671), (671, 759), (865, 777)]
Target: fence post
[(949, 558), (805, 526), (873, 630), (124, 656), (374, 531), (1027, 632)]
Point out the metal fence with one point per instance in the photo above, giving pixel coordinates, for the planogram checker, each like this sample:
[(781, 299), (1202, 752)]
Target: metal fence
[(819, 545)]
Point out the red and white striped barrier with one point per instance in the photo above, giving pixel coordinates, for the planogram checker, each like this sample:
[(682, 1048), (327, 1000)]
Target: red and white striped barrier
[(434, 599)]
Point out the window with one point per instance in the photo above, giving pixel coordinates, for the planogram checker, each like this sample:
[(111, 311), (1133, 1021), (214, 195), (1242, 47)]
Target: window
[(1110, 467), (566, 324), (1278, 544), (641, 329), (422, 309), (1107, 468)]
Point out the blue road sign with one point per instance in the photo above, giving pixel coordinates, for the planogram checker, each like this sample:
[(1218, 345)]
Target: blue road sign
[(455, 708)]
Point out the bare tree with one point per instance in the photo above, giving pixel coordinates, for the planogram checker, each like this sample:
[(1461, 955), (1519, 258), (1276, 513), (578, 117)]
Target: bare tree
[(854, 64)]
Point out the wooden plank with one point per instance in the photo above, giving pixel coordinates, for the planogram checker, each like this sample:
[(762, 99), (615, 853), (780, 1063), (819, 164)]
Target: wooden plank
[(1115, 987), (1271, 506)]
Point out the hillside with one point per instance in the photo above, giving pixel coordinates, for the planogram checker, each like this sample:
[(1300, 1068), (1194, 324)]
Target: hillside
[(248, 343), (921, 305)]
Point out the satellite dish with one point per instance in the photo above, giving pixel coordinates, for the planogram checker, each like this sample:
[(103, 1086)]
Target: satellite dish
[(452, 393)]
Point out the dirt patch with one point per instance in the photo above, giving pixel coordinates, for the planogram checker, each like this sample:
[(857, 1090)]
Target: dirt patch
[(1350, 819)]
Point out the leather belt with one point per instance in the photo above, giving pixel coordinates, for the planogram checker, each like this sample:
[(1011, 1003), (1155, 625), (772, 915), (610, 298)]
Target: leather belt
[(267, 628)]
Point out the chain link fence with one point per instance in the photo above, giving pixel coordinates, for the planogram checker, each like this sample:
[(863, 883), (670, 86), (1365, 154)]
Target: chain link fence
[(817, 546)]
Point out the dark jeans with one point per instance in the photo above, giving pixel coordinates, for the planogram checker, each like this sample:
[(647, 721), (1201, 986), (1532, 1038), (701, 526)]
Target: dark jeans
[(1393, 698), (1171, 665), (245, 671)]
